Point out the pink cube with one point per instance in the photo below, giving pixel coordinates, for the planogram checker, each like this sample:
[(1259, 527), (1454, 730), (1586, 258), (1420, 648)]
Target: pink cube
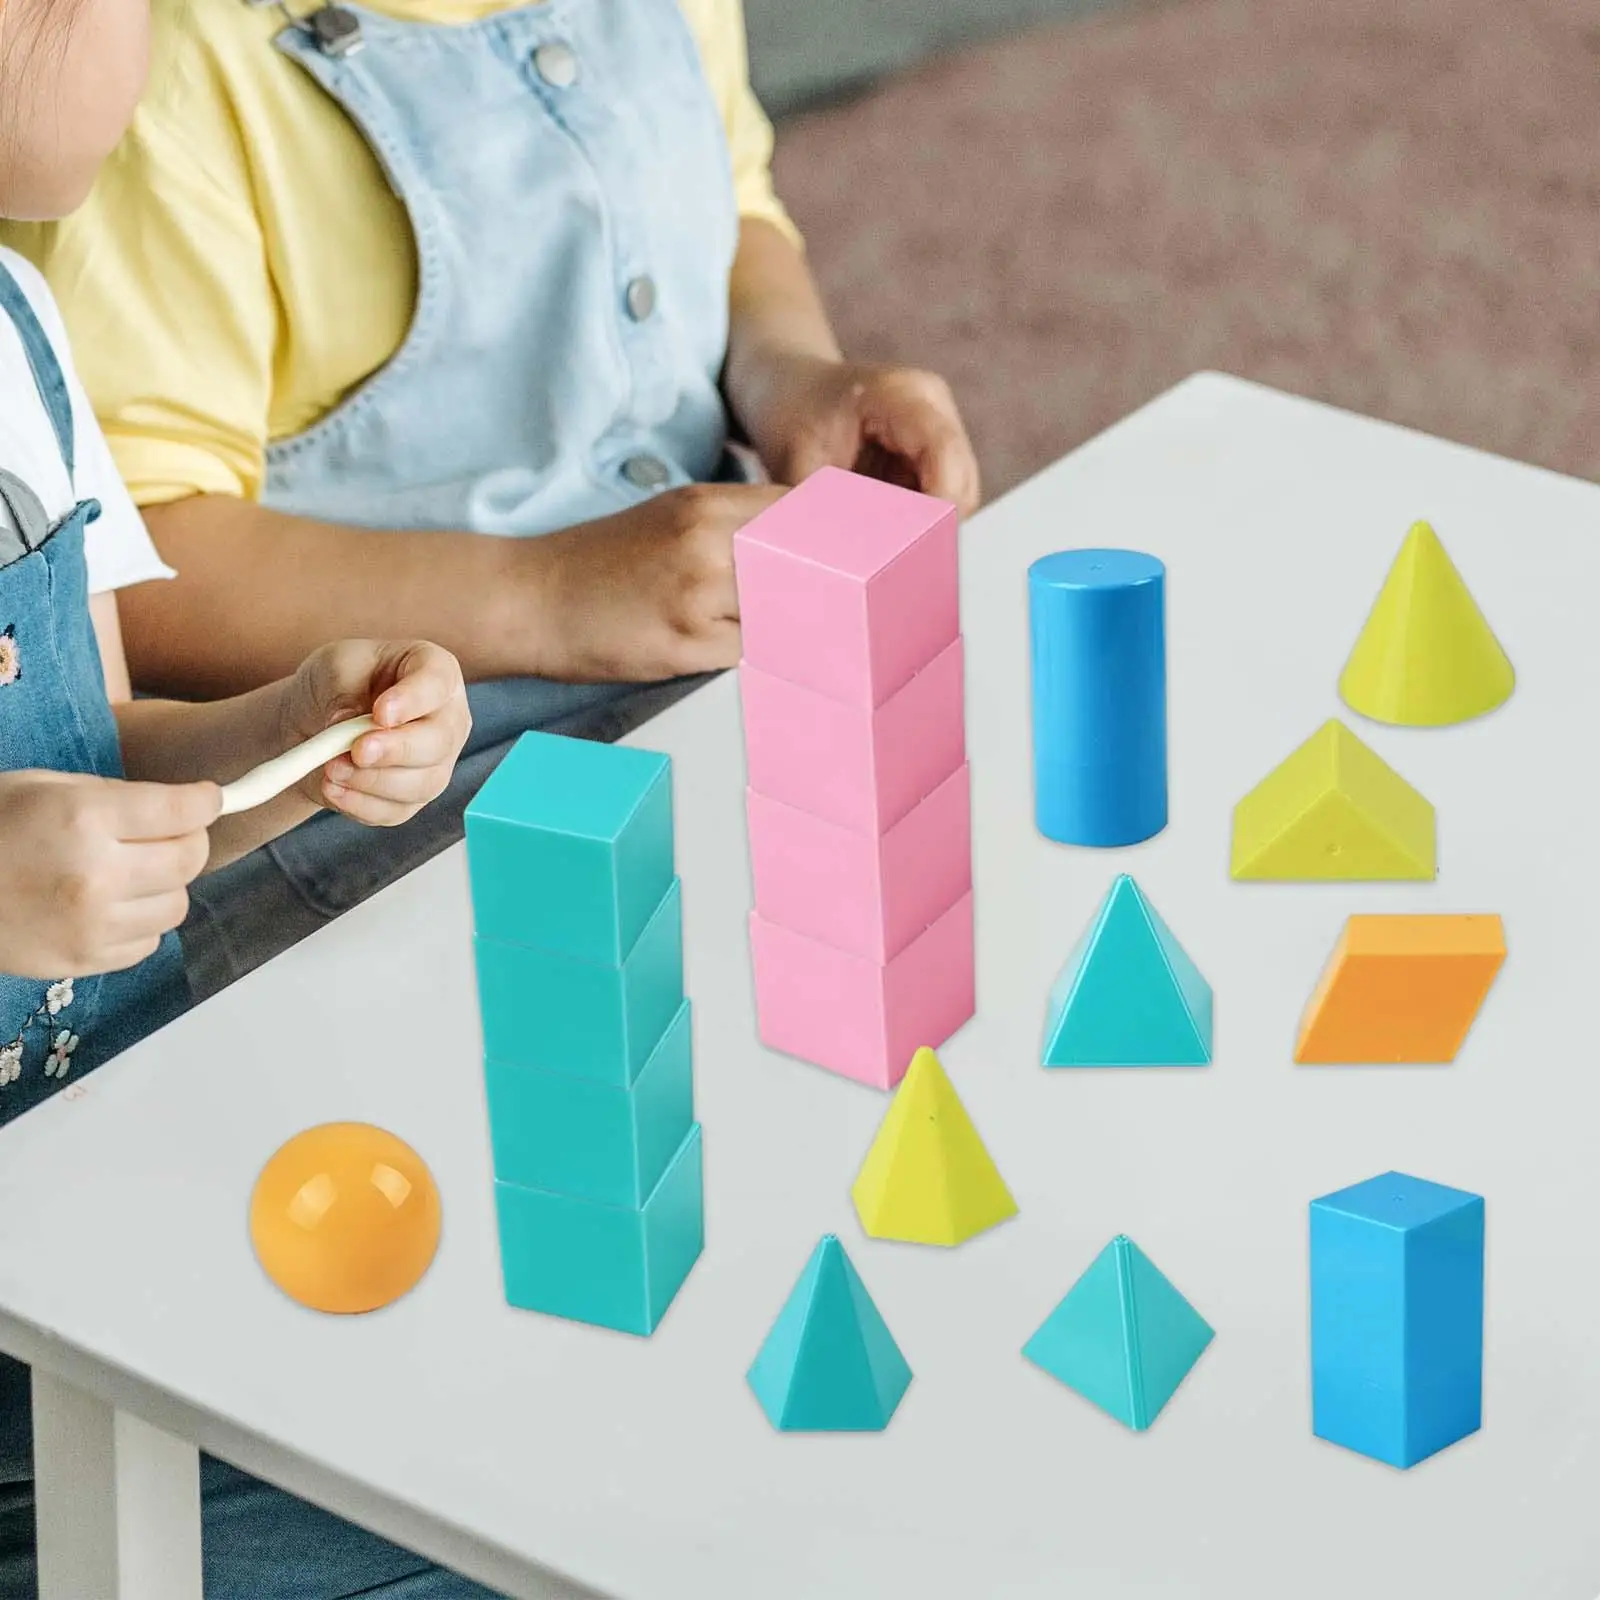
[(857, 1017), (864, 893), (850, 764), (848, 586)]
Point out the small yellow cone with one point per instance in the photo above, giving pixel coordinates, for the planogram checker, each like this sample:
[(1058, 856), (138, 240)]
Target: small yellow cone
[(1426, 658), (927, 1178)]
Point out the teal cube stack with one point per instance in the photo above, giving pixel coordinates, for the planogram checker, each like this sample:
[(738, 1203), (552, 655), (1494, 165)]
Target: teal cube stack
[(588, 1059)]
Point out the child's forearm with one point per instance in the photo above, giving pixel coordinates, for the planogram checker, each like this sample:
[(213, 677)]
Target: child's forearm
[(258, 590), (164, 741), (774, 314)]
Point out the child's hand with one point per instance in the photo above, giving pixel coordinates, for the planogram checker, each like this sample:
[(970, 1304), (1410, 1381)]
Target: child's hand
[(646, 594), (893, 423), (94, 872), (415, 694)]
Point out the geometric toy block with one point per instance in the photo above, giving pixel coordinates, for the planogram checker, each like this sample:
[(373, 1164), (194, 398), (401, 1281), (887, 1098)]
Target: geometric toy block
[(587, 1018), (1123, 1337), (1401, 989), (1397, 1318), (860, 893), (569, 846), (573, 1136), (927, 1178), (848, 586), (1097, 625), (1128, 996), (1426, 657), (1333, 810), (861, 768), (614, 1266), (857, 1017), (829, 1364)]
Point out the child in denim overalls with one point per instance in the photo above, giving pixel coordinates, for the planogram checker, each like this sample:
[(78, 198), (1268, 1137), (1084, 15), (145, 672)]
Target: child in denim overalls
[(94, 867)]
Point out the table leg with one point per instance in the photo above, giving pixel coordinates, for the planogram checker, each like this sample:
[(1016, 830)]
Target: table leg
[(118, 1501)]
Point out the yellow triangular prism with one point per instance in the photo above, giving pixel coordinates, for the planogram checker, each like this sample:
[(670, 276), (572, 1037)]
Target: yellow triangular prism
[(927, 1178), (1333, 810), (1426, 658)]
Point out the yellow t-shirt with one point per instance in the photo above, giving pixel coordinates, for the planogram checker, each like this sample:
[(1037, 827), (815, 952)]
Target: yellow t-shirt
[(243, 264)]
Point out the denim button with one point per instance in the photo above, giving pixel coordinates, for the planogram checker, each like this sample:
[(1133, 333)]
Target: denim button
[(641, 297), (645, 472), (557, 63)]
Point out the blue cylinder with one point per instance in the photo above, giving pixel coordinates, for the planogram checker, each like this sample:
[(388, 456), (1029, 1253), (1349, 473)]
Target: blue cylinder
[(1098, 624)]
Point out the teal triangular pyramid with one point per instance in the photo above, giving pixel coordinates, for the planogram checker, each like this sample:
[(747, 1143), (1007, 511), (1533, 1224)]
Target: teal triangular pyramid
[(1123, 1337), (829, 1365), (1128, 996)]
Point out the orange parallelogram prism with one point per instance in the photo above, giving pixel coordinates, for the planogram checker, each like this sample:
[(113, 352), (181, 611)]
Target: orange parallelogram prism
[(1401, 990)]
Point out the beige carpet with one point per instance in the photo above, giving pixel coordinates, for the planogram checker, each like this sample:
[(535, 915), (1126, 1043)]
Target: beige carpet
[(1393, 205)]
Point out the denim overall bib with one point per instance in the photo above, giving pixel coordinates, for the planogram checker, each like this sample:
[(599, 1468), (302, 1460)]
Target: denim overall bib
[(54, 714), (567, 178)]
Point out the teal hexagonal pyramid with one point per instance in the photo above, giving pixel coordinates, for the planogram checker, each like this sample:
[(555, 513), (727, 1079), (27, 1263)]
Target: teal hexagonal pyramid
[(829, 1365), (1128, 995), (1123, 1337)]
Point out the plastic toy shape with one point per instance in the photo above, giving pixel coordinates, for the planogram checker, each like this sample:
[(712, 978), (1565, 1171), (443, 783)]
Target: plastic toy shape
[(927, 1178), (569, 845), (345, 1218), (1128, 995), (829, 1365), (850, 764), (1097, 621), (1401, 989), (615, 1267), (1333, 810), (1426, 657), (591, 1018), (592, 1140), (1123, 1338), (860, 893), (853, 1015), (1397, 1317), (848, 586)]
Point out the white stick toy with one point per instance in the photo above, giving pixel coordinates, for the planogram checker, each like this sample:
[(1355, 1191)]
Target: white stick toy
[(283, 772)]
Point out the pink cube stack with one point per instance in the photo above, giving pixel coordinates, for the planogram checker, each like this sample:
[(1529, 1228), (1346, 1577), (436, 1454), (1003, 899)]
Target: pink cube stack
[(859, 802)]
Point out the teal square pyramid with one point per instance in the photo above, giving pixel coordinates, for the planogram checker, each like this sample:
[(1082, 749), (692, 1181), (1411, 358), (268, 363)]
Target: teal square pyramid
[(830, 1364), (1123, 1337), (1128, 995)]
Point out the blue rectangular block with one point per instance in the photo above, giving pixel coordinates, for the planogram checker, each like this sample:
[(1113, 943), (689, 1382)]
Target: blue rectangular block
[(589, 1018), (613, 1266), (569, 846), (593, 1141), (1397, 1317)]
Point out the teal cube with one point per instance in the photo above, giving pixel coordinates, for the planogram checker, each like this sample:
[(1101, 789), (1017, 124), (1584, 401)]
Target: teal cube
[(590, 1019), (569, 846), (593, 1141), (613, 1266)]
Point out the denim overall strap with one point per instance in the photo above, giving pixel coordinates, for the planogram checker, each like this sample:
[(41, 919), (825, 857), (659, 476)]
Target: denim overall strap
[(54, 716), (48, 378)]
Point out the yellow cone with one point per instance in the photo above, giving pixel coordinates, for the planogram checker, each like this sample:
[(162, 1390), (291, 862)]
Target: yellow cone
[(927, 1178), (1426, 658)]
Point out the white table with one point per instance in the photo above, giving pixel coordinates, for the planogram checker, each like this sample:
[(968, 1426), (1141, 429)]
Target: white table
[(542, 1457)]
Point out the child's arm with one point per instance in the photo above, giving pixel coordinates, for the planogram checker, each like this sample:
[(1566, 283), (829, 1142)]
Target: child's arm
[(414, 692), (643, 595), (804, 407)]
